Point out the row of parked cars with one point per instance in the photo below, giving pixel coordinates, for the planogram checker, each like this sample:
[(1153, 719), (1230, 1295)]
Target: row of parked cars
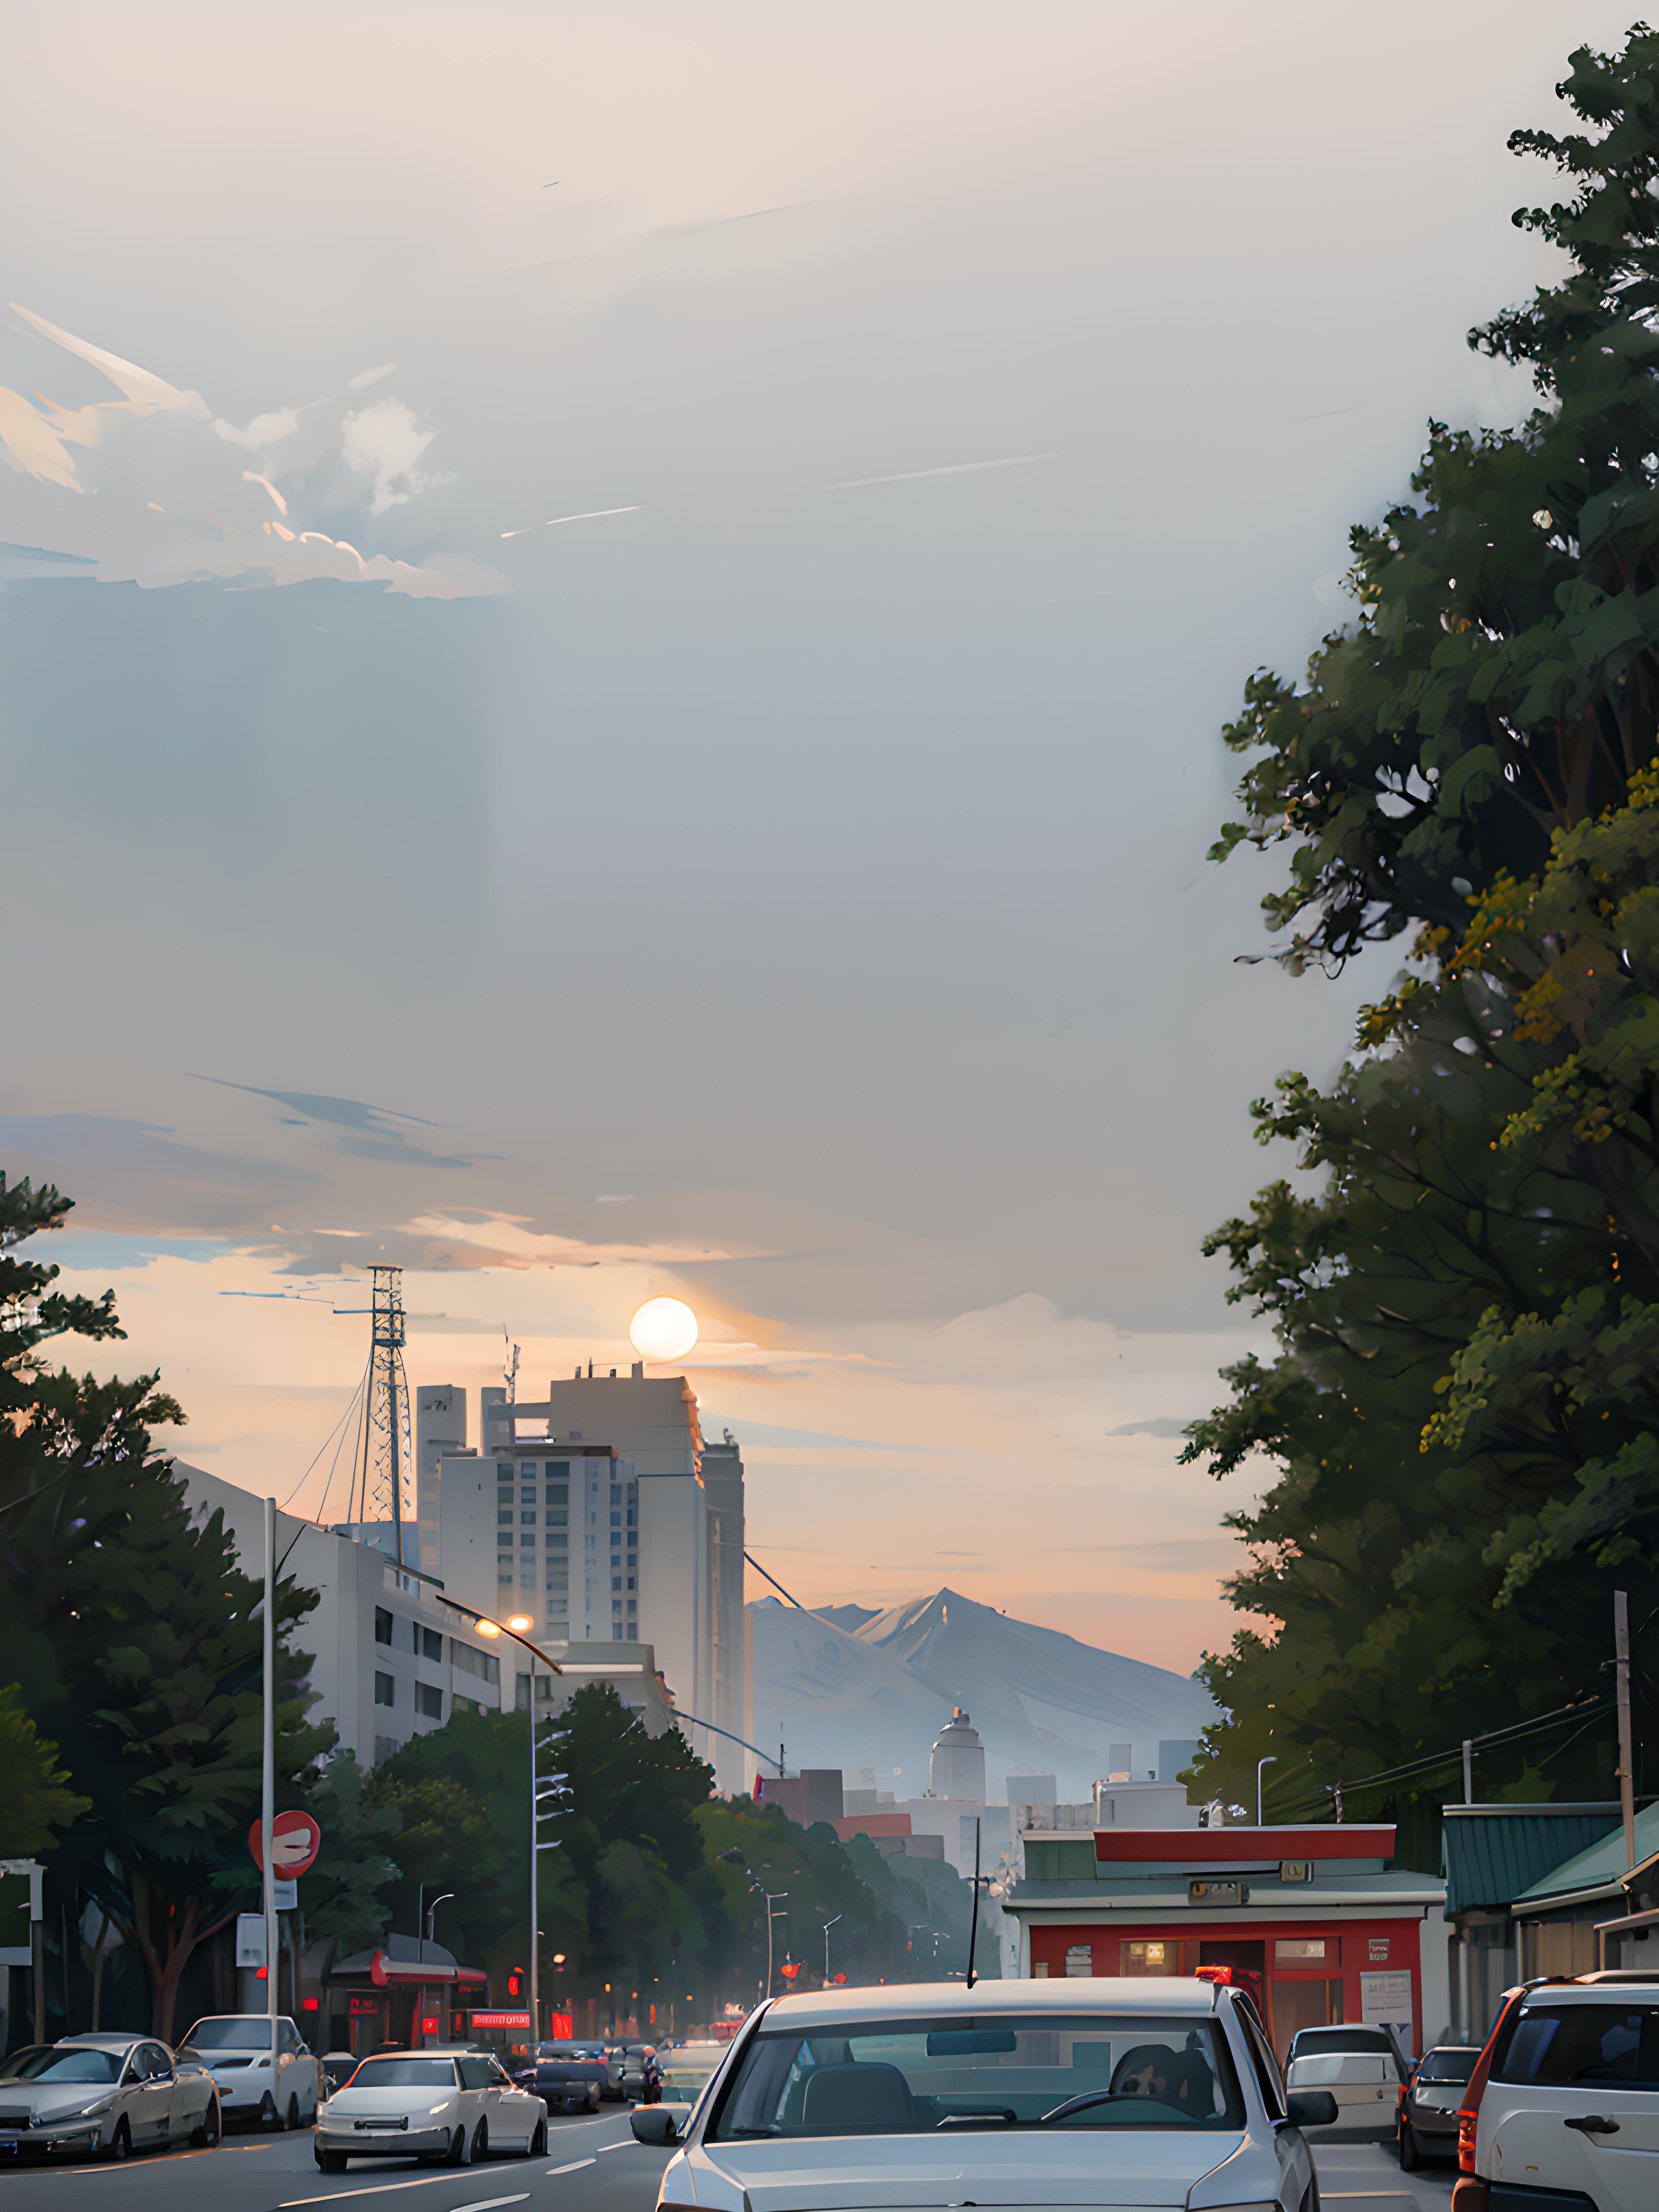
[(108, 2095)]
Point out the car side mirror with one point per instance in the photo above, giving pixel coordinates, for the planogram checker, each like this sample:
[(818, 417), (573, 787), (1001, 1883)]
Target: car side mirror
[(1311, 2108), (659, 2124)]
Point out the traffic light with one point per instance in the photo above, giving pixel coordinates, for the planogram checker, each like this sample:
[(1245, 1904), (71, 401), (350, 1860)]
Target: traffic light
[(516, 1980)]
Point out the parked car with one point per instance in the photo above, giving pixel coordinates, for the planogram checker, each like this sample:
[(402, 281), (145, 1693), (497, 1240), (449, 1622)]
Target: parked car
[(102, 2094), (567, 2077), (1081, 2092), (430, 2104), (1362, 2069), (278, 2088), (1563, 2106), (1425, 2121)]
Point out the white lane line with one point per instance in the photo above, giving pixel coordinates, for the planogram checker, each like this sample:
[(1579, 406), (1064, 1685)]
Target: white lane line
[(629, 2145), (574, 2168), (379, 2189), (492, 2203)]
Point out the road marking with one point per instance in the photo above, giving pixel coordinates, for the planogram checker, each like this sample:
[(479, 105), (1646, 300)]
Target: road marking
[(492, 2203), (379, 2189), (629, 2145), (576, 2168)]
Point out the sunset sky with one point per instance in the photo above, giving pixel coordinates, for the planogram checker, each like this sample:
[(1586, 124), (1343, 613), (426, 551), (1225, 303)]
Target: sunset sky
[(615, 687)]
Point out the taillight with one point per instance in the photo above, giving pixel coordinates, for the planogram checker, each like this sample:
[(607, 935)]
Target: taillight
[(1468, 2112)]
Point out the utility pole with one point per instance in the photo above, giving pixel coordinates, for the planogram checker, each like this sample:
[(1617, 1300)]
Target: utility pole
[(1626, 1758), (385, 1408), (827, 1925), (1468, 1770), (268, 1775), (1271, 1759)]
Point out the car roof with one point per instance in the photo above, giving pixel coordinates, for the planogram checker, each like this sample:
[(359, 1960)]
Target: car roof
[(121, 2038), (1589, 1992), (937, 2000)]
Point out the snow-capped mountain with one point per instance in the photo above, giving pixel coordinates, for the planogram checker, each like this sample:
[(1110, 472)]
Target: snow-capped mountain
[(868, 1691)]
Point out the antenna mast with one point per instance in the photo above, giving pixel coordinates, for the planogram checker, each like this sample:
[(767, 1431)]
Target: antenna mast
[(387, 1451)]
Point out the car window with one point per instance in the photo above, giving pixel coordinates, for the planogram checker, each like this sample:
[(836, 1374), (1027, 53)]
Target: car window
[(405, 2073), (499, 2076), (157, 2064), (913, 2077), (47, 2062), (475, 2073), (1454, 2065), (1602, 2047), (230, 2031)]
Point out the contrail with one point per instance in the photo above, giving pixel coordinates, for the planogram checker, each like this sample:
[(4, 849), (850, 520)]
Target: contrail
[(592, 514), (956, 469)]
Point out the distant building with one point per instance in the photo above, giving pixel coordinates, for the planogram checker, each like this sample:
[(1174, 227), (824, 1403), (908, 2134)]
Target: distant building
[(958, 1767), (440, 1434)]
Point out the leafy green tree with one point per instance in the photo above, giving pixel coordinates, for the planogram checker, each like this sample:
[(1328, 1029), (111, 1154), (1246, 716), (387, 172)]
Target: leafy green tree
[(35, 1806), (1459, 1410), (131, 1634), (823, 1880), (346, 1890), (459, 1795)]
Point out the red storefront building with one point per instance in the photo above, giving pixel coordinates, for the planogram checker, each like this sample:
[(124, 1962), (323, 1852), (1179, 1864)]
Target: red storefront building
[(1312, 1921)]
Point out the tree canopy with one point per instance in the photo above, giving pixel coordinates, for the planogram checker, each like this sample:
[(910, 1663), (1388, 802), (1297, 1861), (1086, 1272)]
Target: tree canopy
[(1458, 1410)]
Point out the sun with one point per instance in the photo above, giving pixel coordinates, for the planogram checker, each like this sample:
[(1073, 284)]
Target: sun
[(662, 1328)]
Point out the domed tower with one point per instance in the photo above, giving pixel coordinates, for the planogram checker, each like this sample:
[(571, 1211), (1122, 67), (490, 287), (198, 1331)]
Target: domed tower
[(958, 1769)]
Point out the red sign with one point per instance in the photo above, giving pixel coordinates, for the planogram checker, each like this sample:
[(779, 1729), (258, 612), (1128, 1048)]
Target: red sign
[(561, 2026), (295, 1840), (507, 2020), (430, 2024)]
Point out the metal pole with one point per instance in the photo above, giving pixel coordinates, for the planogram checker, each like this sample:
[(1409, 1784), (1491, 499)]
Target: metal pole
[(268, 1780), (827, 1925), (1271, 1759), (535, 1949), (1468, 1770), (1626, 1760)]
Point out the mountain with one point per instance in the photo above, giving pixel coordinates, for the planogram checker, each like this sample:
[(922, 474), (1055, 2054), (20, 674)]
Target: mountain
[(868, 1691)]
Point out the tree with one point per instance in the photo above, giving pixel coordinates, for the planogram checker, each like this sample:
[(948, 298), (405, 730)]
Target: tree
[(1459, 1411), (131, 1632), (34, 1804), (346, 1900), (460, 1795)]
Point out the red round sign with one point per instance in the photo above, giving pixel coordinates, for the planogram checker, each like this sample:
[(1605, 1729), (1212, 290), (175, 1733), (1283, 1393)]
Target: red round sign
[(295, 1840)]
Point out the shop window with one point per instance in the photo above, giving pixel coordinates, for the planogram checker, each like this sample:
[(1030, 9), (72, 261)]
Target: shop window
[(1080, 1959), (1152, 1958)]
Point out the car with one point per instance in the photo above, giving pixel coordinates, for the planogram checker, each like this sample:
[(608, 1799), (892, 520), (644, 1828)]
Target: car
[(565, 2076), (443, 2102), (1426, 2118), (102, 2095), (1361, 2067), (638, 2065), (274, 2088), (687, 2068), (1095, 2091), (1562, 2110)]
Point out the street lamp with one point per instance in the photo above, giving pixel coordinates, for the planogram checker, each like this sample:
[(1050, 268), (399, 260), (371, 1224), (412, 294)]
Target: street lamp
[(1271, 1759), (735, 1857), (827, 1925), (515, 1626)]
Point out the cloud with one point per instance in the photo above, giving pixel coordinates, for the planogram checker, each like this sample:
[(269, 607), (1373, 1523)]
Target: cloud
[(146, 488), (374, 1135), (384, 443), (1162, 1426)]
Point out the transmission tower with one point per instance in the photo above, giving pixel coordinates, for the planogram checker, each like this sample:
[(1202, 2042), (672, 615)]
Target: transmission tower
[(385, 1441)]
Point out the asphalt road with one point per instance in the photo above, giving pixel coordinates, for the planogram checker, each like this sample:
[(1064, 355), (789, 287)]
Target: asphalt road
[(591, 2166)]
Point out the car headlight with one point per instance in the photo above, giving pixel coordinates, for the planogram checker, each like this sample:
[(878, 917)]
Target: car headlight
[(84, 2111), (433, 2110)]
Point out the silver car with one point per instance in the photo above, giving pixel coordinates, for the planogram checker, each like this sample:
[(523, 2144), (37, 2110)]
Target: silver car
[(102, 2095)]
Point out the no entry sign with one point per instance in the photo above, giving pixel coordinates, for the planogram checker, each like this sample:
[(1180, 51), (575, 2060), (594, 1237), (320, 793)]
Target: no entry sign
[(295, 1840)]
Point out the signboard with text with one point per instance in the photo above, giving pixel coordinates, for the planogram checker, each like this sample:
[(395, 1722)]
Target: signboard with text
[(482, 2020)]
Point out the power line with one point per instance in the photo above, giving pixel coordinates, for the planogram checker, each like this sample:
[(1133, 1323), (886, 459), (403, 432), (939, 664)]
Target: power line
[(1431, 1762)]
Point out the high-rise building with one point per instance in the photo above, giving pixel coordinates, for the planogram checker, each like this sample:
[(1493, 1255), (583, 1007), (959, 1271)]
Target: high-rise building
[(439, 1432), (615, 1520)]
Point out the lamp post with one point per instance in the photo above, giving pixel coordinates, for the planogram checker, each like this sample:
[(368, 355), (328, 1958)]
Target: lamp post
[(515, 1626), (267, 1769), (772, 1896), (827, 1925), (1271, 1759)]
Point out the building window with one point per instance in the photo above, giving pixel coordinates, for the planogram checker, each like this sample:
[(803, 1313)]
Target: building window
[(1161, 1958), (432, 1646), (526, 1520), (633, 1605), (382, 1625), (558, 1493), (504, 1518), (429, 1704), (631, 1582), (386, 1690), (1080, 1959), (484, 1664), (558, 1519)]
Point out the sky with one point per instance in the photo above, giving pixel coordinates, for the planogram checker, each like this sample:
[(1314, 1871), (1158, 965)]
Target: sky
[(614, 626)]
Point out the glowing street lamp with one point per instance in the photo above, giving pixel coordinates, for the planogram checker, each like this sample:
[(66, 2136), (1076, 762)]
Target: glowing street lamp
[(518, 1625)]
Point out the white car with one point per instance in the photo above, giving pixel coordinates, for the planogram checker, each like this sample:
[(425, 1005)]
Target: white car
[(1362, 2069), (1087, 2092), (1565, 2099), (449, 2103), (277, 2087), (102, 2094)]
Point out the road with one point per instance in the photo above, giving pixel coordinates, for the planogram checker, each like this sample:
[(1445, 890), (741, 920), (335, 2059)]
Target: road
[(591, 2166)]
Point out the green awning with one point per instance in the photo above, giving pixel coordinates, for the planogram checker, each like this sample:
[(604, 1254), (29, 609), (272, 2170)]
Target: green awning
[(1491, 1857), (1601, 1864)]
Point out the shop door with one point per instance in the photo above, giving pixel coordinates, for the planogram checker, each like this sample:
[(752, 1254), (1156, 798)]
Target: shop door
[(1303, 2001)]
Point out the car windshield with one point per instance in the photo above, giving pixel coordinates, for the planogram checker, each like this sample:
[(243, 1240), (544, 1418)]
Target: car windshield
[(405, 2073), (230, 2031), (1607, 2046), (51, 2063), (917, 2077), (1311, 2042), (1456, 2064)]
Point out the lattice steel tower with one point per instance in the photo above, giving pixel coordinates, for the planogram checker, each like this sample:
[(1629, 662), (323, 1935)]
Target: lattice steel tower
[(386, 1449)]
